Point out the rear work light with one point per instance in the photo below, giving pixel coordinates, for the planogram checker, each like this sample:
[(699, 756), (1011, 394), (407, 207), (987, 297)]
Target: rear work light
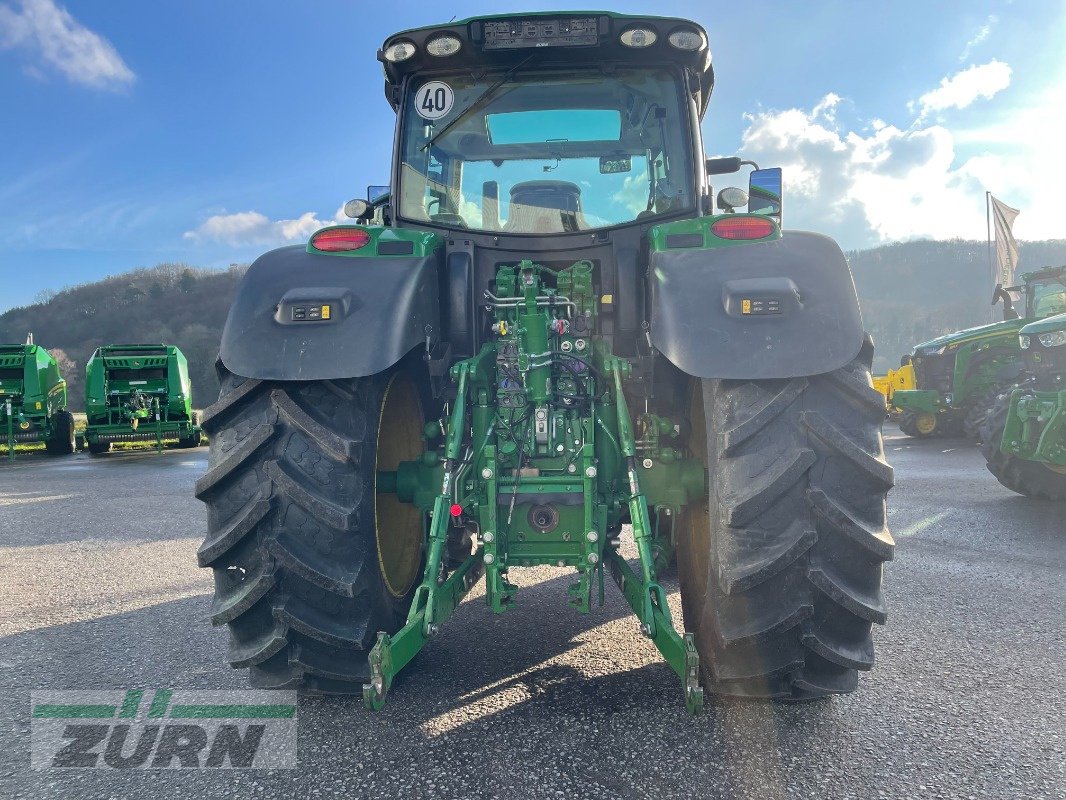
[(638, 37), (338, 240), (399, 51), (687, 40), (444, 46), (742, 228)]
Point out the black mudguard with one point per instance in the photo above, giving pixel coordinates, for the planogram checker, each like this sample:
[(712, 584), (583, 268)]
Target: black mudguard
[(802, 315), (380, 308)]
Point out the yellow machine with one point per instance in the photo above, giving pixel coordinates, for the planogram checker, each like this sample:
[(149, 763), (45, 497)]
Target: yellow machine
[(896, 379)]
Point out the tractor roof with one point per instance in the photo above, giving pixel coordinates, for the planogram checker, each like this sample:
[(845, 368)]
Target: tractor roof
[(549, 39), (1046, 272)]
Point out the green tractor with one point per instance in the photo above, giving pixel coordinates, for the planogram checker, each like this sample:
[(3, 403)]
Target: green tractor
[(33, 400), (138, 393), (540, 334), (960, 375), (1024, 435)]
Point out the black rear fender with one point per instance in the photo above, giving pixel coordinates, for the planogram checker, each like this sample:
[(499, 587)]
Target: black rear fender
[(777, 309), (306, 316)]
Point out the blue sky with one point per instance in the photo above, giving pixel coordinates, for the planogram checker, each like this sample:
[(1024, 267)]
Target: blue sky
[(207, 131)]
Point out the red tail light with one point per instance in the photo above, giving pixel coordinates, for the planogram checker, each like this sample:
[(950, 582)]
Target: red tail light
[(337, 240), (742, 228)]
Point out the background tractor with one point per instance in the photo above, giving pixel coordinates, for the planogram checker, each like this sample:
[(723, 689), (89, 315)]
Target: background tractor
[(960, 375), (33, 400), (138, 393), (1024, 435), (541, 333)]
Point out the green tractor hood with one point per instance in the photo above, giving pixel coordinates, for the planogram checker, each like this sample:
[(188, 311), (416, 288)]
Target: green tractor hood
[(1007, 327), (1048, 325)]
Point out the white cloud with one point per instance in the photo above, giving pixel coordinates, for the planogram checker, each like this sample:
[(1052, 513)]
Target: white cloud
[(254, 228), (862, 186), (964, 88), (633, 194), (60, 42), (885, 182), (978, 38)]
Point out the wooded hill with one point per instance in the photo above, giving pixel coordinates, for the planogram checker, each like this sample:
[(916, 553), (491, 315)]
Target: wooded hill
[(915, 291), (171, 304), (910, 292)]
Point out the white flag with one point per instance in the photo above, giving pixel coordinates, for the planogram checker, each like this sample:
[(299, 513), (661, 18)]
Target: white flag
[(1006, 248)]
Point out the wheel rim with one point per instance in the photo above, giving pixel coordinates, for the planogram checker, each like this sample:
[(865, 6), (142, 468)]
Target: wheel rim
[(398, 525), (925, 424)]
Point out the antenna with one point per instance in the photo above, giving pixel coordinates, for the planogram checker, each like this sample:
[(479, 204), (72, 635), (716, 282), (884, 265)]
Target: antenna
[(29, 338)]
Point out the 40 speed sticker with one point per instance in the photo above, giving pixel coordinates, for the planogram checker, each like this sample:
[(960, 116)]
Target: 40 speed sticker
[(434, 100)]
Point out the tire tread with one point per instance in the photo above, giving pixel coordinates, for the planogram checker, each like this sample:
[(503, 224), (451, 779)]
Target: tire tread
[(294, 559), (797, 481)]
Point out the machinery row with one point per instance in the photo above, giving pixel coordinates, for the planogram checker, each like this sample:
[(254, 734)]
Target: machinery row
[(1001, 384), (133, 393)]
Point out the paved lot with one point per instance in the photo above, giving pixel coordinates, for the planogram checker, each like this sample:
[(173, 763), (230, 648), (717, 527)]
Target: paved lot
[(99, 589)]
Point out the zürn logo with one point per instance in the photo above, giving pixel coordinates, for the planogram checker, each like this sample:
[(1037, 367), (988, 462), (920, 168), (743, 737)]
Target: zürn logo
[(173, 729)]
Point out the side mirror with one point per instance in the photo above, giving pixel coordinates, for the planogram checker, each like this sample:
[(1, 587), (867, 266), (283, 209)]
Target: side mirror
[(764, 192), (375, 193), (723, 166), (999, 293), (358, 209)]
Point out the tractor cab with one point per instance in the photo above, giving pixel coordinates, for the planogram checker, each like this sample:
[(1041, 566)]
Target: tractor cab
[(552, 124), (1045, 293), (546, 152), (506, 123)]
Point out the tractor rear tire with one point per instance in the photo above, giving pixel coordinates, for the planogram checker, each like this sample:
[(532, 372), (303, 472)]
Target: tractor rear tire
[(99, 448), (909, 425), (62, 441), (302, 578), (781, 570), (1030, 478)]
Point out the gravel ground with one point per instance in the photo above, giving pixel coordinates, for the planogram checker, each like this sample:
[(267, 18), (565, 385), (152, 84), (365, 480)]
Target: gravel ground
[(99, 589)]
